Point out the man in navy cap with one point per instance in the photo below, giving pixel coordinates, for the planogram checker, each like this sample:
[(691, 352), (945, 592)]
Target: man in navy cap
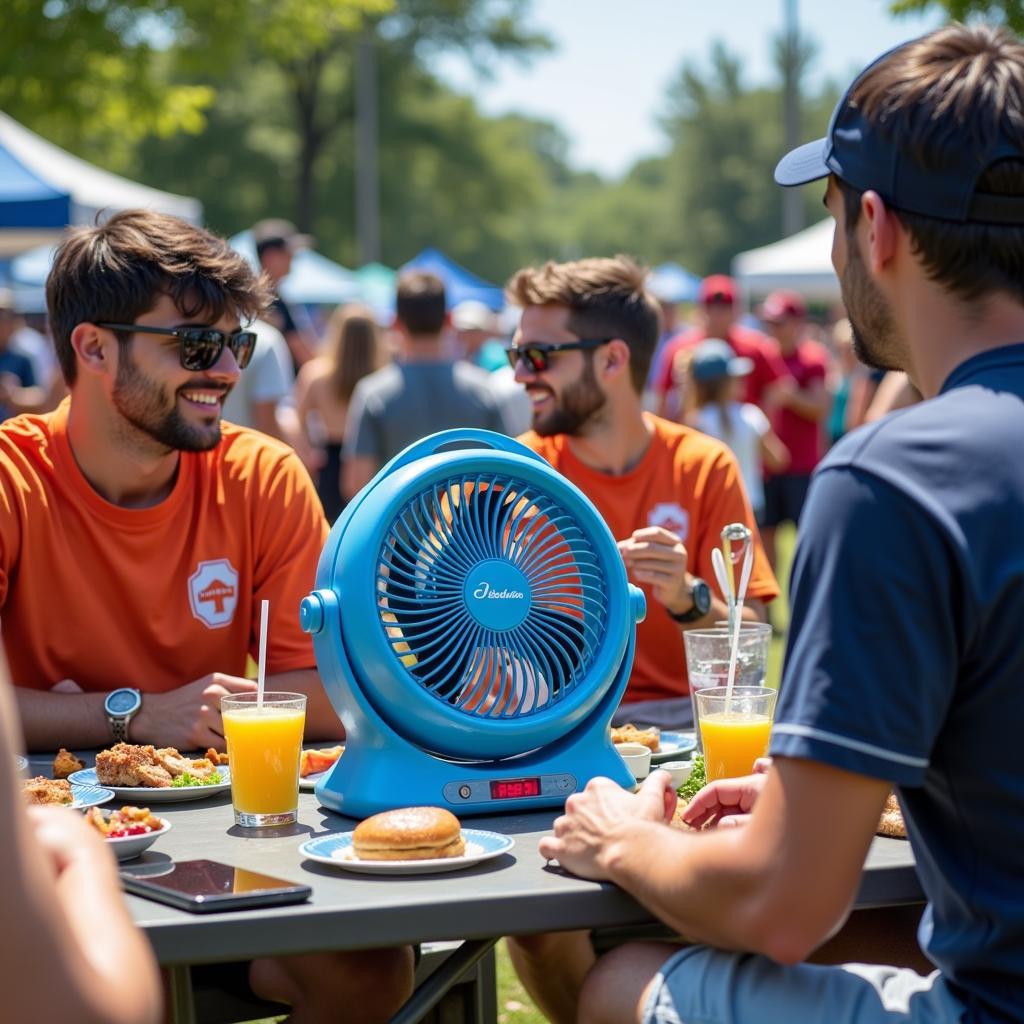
[(905, 660)]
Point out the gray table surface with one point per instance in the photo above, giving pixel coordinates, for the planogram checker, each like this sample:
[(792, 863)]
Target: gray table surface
[(515, 893)]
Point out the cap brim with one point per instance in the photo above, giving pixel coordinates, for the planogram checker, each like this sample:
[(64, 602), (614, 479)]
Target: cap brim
[(805, 163), (741, 366)]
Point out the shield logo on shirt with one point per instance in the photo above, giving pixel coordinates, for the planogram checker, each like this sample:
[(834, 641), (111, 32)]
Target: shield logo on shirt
[(213, 592), (670, 516)]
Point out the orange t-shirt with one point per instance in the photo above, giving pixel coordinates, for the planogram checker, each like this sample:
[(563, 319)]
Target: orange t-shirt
[(688, 483), (152, 598)]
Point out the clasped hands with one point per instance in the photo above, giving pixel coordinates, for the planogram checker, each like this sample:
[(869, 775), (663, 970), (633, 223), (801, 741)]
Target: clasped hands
[(595, 821)]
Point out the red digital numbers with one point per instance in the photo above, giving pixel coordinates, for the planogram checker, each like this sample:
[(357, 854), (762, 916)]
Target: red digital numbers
[(511, 789)]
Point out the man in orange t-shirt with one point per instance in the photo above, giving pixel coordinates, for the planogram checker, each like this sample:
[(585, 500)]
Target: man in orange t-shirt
[(138, 537), (582, 351)]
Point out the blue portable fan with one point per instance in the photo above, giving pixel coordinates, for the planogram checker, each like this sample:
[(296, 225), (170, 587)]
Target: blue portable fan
[(474, 630)]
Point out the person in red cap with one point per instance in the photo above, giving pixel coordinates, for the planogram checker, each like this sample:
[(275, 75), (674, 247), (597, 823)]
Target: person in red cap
[(718, 302), (798, 405)]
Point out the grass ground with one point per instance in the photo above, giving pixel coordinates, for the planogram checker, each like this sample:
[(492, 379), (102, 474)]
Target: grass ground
[(514, 1005)]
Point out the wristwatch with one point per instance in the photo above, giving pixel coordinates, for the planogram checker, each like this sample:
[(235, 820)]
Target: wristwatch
[(701, 594), (121, 707)]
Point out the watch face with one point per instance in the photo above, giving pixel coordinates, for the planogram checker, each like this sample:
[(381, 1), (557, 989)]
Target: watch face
[(702, 597), (120, 702)]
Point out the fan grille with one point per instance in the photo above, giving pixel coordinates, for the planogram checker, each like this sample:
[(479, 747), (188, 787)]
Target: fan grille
[(491, 596)]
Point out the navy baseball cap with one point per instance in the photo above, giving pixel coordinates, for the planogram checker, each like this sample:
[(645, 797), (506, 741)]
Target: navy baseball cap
[(869, 156), (715, 358)]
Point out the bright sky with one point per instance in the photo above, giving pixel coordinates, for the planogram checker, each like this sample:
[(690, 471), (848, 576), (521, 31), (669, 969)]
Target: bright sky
[(606, 82)]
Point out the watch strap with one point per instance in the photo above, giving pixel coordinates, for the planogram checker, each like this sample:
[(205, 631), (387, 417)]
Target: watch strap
[(119, 727), (696, 611)]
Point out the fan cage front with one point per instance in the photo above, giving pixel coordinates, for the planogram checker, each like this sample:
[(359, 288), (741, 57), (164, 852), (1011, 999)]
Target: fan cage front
[(446, 641)]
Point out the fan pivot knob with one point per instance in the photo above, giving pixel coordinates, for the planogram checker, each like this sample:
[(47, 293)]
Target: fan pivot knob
[(311, 613)]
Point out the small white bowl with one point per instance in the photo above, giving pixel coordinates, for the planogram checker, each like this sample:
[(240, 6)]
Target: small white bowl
[(679, 770), (637, 758), (129, 847)]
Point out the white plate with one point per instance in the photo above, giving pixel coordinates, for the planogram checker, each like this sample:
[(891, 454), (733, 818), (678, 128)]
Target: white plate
[(311, 780), (145, 795), (675, 746), (89, 796), (337, 851), (129, 847)]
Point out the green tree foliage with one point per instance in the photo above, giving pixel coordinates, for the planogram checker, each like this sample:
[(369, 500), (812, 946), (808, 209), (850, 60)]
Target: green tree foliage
[(726, 140), (87, 74), (1009, 12)]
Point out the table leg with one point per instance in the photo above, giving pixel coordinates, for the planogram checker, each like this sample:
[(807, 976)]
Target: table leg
[(179, 994), (432, 991)]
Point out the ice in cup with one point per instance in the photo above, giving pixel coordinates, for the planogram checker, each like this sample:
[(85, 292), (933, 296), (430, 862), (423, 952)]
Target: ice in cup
[(707, 660), (264, 747), (734, 728)]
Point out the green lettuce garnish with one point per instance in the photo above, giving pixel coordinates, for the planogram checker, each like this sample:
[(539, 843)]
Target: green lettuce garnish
[(186, 779), (695, 782)]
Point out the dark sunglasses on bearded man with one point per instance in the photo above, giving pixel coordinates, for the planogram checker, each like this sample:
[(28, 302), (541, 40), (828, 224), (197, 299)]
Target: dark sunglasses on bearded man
[(200, 346), (538, 357)]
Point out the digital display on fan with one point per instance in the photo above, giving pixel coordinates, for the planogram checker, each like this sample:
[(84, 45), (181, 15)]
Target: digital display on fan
[(510, 789)]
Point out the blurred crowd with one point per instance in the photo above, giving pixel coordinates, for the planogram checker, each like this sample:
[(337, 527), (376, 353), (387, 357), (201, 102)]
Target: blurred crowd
[(778, 383)]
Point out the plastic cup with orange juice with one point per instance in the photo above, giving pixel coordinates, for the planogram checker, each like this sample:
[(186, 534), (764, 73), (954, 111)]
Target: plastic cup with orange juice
[(734, 728), (264, 746)]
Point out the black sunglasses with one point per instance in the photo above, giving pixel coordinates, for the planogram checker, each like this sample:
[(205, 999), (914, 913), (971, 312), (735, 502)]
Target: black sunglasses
[(538, 357), (200, 346)]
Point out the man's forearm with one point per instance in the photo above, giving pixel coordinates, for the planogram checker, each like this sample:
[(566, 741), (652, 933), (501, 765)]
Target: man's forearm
[(52, 720)]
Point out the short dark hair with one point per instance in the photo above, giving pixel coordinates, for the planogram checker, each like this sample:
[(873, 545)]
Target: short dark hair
[(116, 271), (940, 92), (606, 298), (420, 305)]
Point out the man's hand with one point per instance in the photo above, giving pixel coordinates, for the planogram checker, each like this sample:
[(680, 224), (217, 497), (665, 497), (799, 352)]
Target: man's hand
[(600, 816), (657, 556), (189, 717), (728, 802)]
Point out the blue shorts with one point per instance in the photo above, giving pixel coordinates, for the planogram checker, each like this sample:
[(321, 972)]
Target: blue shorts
[(700, 985)]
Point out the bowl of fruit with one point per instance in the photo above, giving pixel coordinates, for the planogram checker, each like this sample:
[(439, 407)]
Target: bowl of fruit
[(128, 831)]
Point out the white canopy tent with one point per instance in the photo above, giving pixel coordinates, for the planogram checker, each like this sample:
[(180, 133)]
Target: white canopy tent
[(802, 262), (45, 188)]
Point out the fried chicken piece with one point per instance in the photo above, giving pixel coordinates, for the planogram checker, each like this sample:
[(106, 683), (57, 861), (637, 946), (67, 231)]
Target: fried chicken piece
[(128, 764), (42, 790), (891, 823), (216, 757), (629, 733), (65, 763), (178, 764)]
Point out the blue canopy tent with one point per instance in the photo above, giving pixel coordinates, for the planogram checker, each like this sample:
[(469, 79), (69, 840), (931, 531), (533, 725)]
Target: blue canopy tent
[(459, 283), (43, 189), (672, 283), (314, 279), (26, 278)]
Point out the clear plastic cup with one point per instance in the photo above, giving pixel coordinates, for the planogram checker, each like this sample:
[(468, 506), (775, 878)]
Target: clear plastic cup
[(707, 660), (264, 747), (735, 728)]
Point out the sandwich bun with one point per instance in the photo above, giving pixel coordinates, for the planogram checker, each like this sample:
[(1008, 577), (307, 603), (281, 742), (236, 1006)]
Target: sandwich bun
[(409, 833)]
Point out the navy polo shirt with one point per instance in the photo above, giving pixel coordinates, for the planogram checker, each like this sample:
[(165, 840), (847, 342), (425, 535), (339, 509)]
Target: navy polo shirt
[(906, 654)]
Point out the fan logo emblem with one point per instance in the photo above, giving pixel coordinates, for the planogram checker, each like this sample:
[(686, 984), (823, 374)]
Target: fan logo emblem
[(671, 517), (485, 590), (213, 593)]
